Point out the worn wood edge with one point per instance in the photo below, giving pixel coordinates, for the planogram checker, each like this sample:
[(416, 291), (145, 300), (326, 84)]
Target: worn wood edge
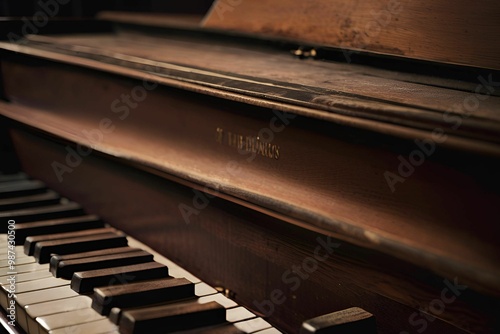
[(184, 21), (453, 141), (329, 100), (186, 25), (350, 316), (382, 290), (481, 279), (159, 173)]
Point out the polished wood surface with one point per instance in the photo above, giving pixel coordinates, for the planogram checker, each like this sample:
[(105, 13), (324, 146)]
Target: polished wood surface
[(342, 128), (342, 191), (457, 32), (253, 250), (388, 101), (350, 321)]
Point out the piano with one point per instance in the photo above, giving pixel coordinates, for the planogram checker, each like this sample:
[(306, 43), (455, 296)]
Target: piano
[(314, 167)]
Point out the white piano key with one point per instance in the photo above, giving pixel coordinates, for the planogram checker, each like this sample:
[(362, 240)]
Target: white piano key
[(40, 296), (46, 284), (269, 331), (17, 261), (24, 268), (5, 283), (67, 319), (219, 298), (40, 284), (178, 272), (203, 289), (97, 327), (238, 314), (25, 277), (19, 250), (252, 325), (52, 307)]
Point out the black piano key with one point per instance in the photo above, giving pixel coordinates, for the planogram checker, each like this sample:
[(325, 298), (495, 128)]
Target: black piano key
[(86, 281), (51, 323), (169, 318), (141, 293), (205, 296), (44, 249), (349, 321), (23, 202), (13, 177), (218, 329), (66, 268), (21, 188), (238, 319), (69, 209), (83, 319), (115, 314), (56, 258), (60, 225), (31, 241)]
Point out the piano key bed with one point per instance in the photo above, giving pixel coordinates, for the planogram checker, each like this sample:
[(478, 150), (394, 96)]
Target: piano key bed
[(65, 271)]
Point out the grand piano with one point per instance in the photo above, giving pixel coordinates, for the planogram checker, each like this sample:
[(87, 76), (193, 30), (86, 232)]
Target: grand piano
[(317, 167)]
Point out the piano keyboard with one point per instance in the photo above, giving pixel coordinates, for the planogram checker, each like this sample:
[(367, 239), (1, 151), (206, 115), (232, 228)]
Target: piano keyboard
[(74, 274)]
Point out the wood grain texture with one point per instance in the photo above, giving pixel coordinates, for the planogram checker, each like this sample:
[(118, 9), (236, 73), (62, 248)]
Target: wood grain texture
[(441, 224), (251, 251), (381, 100), (349, 321), (341, 191), (458, 32)]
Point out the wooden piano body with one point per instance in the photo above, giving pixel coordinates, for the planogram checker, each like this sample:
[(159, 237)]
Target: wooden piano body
[(302, 185)]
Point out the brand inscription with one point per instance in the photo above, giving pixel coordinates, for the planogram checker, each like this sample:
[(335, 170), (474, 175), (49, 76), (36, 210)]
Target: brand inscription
[(251, 144)]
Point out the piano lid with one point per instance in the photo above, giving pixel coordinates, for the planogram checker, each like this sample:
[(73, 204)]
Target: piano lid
[(455, 32)]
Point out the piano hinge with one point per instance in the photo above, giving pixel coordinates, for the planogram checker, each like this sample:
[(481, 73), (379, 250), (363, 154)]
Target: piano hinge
[(304, 52), (226, 292)]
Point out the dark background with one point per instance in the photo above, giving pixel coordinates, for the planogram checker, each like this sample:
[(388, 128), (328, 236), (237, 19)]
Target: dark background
[(88, 8)]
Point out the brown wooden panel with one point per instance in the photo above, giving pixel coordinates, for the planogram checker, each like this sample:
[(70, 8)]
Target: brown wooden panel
[(249, 253), (442, 217), (458, 32)]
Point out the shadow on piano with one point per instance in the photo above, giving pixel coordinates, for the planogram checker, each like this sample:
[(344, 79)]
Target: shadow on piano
[(294, 182)]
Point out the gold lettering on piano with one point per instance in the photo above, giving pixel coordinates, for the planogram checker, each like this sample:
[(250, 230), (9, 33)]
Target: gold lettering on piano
[(247, 144)]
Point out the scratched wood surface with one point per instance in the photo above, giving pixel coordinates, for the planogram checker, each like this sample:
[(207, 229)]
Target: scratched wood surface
[(360, 93), (341, 190), (459, 32), (248, 252), (442, 220)]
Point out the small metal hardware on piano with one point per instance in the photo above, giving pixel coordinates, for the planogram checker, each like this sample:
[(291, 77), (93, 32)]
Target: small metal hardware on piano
[(324, 166)]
